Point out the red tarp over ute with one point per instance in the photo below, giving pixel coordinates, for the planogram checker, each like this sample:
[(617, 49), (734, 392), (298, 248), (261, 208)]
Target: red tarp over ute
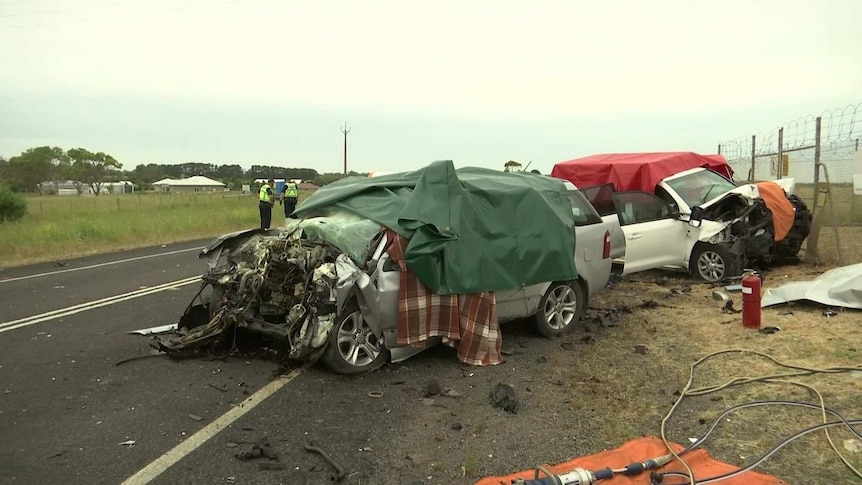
[(635, 171)]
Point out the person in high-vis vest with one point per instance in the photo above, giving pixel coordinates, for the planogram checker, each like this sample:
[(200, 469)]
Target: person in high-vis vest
[(267, 199), (289, 197)]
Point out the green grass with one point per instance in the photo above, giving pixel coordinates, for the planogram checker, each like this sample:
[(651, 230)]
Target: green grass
[(848, 207), (61, 227)]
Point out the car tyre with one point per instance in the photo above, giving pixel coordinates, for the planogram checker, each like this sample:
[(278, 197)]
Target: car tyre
[(352, 347), (560, 309), (712, 263)]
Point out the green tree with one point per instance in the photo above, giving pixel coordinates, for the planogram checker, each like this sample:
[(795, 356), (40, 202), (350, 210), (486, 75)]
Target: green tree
[(30, 170), (92, 168), (12, 206)]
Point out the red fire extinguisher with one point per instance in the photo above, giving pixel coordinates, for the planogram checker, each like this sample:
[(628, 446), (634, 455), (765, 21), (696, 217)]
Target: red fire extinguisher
[(751, 300)]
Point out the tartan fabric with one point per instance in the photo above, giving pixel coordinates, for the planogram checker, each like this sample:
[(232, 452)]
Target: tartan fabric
[(465, 322)]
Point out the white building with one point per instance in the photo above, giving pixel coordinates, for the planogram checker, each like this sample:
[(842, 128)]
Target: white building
[(197, 183)]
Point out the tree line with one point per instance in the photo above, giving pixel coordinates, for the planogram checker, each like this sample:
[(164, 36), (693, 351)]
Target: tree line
[(41, 169)]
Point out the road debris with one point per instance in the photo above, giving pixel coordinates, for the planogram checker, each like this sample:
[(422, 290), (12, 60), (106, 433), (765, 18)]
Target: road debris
[(769, 330), (128, 443), (196, 417), (339, 470), (719, 295), (503, 396), (262, 448), (154, 330), (433, 388), (375, 394), (448, 392), (222, 388), (728, 308)]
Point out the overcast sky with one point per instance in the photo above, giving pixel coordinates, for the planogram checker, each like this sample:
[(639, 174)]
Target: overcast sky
[(476, 81)]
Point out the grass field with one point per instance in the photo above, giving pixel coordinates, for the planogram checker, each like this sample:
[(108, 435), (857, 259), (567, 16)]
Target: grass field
[(61, 227), (848, 207)]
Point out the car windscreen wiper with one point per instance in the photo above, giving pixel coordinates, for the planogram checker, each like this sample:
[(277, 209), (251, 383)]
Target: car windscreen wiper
[(707, 193)]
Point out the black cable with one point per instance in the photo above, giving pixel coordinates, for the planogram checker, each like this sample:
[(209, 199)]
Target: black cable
[(756, 462), (715, 423)]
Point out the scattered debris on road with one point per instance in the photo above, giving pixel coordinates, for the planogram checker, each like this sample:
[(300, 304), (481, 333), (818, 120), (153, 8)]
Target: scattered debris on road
[(503, 396), (154, 330), (339, 470), (128, 443), (261, 448)]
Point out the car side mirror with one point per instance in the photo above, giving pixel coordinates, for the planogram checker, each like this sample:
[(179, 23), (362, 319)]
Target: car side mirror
[(696, 216)]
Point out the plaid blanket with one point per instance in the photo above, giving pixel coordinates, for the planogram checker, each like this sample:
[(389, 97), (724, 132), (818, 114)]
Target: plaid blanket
[(465, 322)]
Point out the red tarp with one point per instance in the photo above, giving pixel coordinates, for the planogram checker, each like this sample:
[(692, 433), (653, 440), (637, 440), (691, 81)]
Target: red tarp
[(635, 171), (642, 449)]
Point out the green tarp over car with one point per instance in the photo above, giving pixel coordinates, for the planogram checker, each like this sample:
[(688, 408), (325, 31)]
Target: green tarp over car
[(470, 230)]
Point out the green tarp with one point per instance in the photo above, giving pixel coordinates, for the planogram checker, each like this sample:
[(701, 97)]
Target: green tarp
[(470, 230)]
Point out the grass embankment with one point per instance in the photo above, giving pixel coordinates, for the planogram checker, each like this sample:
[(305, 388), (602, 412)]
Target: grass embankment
[(848, 207), (61, 227)]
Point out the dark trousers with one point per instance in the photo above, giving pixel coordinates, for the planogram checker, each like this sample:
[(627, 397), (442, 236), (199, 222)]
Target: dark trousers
[(265, 214), (289, 207)]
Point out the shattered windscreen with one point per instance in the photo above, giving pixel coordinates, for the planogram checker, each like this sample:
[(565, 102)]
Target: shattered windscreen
[(699, 187)]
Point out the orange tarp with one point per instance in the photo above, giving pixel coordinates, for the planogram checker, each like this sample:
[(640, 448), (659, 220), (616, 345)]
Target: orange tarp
[(782, 210), (643, 449)]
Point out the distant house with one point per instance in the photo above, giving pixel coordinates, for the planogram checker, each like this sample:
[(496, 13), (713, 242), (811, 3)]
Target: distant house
[(197, 183), (70, 187)]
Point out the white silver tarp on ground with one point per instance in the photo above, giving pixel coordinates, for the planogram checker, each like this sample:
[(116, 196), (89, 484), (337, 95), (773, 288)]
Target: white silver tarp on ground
[(840, 287)]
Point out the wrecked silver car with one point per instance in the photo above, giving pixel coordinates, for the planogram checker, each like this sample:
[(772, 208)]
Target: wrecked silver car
[(378, 270), (310, 300)]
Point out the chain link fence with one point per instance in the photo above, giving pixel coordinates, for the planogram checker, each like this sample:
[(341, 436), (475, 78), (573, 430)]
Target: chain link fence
[(794, 150), (822, 154)]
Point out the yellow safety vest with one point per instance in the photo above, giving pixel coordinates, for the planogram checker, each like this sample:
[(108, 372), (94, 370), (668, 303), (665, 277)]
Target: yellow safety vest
[(290, 190), (264, 195)]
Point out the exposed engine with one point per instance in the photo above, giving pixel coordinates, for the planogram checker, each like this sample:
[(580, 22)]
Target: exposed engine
[(281, 287)]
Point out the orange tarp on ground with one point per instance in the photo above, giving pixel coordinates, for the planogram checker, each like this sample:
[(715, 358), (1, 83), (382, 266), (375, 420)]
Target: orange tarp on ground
[(643, 449), (782, 210)]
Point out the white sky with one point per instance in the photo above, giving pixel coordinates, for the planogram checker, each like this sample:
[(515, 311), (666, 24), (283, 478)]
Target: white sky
[(477, 81)]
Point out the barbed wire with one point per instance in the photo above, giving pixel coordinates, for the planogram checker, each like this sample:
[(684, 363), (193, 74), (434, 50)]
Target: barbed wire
[(838, 131)]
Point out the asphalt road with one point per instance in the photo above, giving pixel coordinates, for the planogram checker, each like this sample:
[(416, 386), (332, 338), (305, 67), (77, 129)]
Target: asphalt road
[(66, 405), (70, 397), (75, 410)]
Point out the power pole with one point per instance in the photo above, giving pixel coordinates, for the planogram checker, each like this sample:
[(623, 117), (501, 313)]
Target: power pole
[(345, 130)]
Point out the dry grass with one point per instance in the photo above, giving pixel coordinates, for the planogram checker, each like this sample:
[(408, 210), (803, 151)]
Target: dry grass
[(632, 393), (62, 227)]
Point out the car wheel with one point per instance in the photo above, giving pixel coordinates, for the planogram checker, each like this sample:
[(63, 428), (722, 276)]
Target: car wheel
[(560, 309), (712, 263), (353, 347)]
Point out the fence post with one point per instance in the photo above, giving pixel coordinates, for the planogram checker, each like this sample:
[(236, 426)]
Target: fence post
[(780, 151), (751, 177), (719, 148), (816, 165)]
